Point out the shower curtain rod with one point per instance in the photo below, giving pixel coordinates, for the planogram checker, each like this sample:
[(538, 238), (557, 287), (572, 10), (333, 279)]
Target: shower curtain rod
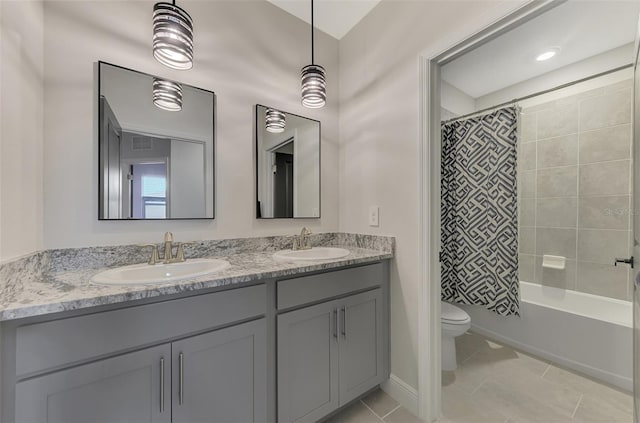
[(516, 100)]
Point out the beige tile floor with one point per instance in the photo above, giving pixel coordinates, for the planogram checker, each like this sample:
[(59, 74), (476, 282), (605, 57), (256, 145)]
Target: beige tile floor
[(497, 384), (375, 408)]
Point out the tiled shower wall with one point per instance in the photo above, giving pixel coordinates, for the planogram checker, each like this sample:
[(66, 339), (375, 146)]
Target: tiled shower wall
[(574, 190)]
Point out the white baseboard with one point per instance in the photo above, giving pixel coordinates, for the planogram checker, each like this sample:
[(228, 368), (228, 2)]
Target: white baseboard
[(402, 392)]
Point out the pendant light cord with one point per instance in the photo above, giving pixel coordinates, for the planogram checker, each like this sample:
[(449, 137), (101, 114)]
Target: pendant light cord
[(312, 61)]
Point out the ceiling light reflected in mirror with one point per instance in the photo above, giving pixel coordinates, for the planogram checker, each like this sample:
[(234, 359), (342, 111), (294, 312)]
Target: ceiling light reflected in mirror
[(275, 121), (167, 95)]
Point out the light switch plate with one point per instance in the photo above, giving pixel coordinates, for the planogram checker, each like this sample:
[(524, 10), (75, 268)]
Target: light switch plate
[(374, 216)]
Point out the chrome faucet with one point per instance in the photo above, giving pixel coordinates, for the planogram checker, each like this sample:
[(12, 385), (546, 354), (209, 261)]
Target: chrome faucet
[(303, 242), (168, 256)]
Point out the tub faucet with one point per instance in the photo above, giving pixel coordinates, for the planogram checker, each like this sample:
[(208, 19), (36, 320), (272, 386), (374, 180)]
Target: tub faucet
[(303, 242)]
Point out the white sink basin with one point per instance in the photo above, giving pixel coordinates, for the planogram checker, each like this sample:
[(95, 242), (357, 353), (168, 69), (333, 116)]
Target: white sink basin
[(143, 274), (316, 253)]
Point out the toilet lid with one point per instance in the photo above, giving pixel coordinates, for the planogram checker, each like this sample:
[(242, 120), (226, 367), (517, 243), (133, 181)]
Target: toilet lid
[(451, 313)]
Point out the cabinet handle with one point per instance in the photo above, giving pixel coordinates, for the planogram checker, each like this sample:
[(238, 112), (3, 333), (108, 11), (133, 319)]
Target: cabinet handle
[(335, 323), (162, 385), (180, 378), (344, 322)]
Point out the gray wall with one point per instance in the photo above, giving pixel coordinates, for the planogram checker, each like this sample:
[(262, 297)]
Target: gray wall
[(574, 186)]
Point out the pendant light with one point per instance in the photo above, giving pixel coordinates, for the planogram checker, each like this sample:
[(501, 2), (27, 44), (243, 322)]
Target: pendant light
[(172, 36), (314, 89), (275, 121), (167, 95)]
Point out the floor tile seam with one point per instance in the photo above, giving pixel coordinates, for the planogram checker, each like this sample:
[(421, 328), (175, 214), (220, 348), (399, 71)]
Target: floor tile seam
[(477, 388), (553, 384), (575, 410), (546, 370), (529, 396), (468, 358), (479, 403), (389, 413), (372, 412)]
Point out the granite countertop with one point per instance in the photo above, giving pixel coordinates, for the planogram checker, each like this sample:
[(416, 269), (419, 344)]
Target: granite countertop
[(40, 287)]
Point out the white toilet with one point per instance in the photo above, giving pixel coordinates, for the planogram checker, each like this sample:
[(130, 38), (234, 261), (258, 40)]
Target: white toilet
[(455, 321)]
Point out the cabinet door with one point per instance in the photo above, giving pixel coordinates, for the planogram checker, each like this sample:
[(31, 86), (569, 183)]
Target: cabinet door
[(221, 376), (124, 389), (361, 348), (308, 363)]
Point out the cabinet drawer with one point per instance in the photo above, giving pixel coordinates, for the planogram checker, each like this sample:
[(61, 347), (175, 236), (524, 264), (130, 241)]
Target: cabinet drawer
[(308, 289), (47, 345)]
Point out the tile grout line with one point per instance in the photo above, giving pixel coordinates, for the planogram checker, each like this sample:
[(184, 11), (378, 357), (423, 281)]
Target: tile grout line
[(468, 358), (536, 196), (546, 370), (550, 168), (372, 412), (477, 388), (572, 228), (387, 415), (578, 132), (575, 410), (579, 171)]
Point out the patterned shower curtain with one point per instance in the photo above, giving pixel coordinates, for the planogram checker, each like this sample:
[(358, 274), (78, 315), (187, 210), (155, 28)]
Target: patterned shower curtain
[(479, 252)]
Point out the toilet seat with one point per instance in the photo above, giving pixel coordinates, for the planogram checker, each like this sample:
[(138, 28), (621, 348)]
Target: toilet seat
[(452, 315)]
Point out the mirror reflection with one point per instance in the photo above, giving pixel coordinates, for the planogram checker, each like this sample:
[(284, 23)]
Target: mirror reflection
[(155, 147), (288, 165)]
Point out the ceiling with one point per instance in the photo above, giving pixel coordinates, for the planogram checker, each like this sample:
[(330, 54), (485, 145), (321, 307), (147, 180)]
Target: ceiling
[(580, 28), (335, 17)]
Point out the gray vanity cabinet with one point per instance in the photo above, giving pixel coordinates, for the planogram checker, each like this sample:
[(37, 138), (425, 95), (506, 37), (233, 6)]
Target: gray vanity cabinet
[(361, 344), (308, 385), (330, 353), (122, 389), (194, 359), (221, 376)]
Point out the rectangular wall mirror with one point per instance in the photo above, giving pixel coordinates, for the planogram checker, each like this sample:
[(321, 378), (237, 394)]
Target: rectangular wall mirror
[(287, 165), (156, 147)]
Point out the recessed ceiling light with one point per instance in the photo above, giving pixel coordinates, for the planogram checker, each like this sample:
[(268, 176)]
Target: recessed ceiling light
[(548, 54)]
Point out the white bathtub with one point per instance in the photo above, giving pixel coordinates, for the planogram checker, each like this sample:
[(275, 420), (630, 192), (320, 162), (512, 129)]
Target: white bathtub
[(585, 332)]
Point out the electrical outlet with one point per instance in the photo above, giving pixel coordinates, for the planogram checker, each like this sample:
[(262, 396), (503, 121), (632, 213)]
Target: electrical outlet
[(374, 216)]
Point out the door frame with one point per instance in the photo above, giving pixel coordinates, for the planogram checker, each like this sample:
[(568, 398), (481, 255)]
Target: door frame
[(635, 226), (268, 157), (125, 165), (501, 19)]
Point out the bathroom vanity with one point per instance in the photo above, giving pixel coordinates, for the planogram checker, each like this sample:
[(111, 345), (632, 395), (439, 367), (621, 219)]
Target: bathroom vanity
[(260, 341)]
